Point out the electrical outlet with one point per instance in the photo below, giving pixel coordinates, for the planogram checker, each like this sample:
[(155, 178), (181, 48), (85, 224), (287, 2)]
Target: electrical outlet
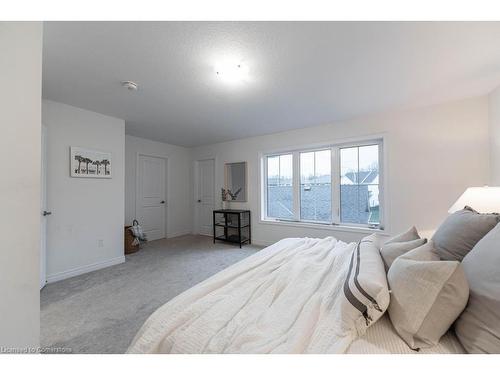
[(100, 243)]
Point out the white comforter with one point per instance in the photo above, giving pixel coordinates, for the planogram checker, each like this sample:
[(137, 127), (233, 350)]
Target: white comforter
[(284, 299)]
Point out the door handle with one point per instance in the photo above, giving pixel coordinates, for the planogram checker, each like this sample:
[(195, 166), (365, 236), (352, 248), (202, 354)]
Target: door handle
[(46, 213), (162, 202)]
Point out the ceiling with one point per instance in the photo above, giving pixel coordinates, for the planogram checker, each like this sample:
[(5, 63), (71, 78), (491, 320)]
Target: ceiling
[(300, 73)]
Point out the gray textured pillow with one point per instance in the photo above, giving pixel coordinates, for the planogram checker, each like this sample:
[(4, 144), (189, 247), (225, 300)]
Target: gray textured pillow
[(478, 328), (460, 232), (427, 296), (393, 250)]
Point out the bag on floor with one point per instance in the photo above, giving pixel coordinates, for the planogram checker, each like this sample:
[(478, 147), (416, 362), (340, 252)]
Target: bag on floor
[(137, 233)]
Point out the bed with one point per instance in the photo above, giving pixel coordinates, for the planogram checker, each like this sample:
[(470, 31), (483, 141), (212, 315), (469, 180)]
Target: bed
[(300, 295)]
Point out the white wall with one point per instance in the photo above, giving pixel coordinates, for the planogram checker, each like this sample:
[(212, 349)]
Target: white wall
[(85, 231), (432, 154), (20, 119), (178, 221), (494, 101)]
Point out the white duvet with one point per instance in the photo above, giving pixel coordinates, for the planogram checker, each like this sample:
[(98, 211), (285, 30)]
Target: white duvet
[(286, 298)]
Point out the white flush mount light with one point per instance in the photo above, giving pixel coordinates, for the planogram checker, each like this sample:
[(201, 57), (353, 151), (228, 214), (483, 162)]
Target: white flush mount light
[(129, 85), (231, 72)]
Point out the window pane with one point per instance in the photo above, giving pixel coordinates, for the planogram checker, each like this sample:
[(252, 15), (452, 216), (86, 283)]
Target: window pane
[(349, 165), (279, 186), (374, 205), (359, 190), (286, 169), (273, 170), (316, 186), (306, 167), (368, 164)]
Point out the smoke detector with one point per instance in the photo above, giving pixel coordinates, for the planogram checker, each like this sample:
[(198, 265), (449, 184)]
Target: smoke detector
[(129, 85)]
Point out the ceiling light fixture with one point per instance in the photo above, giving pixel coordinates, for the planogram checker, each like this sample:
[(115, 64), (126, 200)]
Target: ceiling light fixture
[(129, 85), (231, 72)]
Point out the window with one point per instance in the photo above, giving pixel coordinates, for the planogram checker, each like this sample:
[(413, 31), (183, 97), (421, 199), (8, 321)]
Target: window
[(359, 185), (337, 185), (280, 186), (316, 186)]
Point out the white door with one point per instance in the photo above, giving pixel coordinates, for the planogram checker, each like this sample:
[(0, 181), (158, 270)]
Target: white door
[(150, 199), (206, 196), (45, 213)]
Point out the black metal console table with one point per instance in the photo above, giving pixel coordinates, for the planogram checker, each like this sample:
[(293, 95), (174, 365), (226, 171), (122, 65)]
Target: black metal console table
[(232, 226)]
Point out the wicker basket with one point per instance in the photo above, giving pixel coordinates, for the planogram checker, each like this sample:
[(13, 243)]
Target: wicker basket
[(129, 248)]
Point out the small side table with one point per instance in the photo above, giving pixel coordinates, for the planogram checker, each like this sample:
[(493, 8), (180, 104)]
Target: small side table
[(232, 226)]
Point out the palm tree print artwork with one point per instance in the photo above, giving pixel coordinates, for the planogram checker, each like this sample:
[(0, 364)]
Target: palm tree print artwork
[(90, 163), (87, 162), (79, 159), (97, 164), (105, 162)]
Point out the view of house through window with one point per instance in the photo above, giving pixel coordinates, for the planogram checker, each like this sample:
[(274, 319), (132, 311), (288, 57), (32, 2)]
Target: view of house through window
[(359, 183), (316, 185), (353, 200), (280, 186)]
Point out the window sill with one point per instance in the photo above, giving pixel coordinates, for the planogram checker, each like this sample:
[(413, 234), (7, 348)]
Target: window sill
[(340, 228)]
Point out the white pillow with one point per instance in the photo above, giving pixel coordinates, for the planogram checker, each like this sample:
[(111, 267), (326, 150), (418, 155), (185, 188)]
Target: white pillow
[(365, 289)]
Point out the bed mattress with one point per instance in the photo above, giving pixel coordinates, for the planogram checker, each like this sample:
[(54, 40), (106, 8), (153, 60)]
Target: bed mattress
[(382, 338)]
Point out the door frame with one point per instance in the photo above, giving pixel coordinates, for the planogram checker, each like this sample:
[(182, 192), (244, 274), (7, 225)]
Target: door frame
[(196, 187), (43, 206), (166, 206)]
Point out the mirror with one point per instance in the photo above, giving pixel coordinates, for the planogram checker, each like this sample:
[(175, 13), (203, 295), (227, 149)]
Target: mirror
[(236, 181)]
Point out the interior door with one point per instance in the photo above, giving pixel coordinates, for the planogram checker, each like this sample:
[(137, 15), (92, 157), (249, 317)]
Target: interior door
[(45, 213), (150, 200), (206, 196)]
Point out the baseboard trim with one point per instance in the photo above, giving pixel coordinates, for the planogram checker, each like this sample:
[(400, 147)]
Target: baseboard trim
[(84, 269)]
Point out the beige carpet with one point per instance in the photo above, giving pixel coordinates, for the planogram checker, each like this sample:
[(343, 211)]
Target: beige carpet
[(101, 311)]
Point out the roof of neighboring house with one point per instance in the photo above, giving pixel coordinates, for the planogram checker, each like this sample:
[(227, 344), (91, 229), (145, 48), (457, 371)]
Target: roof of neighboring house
[(316, 203), (363, 177)]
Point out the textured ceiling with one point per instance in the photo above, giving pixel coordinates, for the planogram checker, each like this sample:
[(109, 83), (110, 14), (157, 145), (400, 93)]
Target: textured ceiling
[(300, 73)]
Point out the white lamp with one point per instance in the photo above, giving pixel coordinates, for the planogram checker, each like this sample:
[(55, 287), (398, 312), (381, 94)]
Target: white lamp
[(482, 199)]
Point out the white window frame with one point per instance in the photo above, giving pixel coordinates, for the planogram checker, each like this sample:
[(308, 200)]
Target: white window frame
[(335, 176)]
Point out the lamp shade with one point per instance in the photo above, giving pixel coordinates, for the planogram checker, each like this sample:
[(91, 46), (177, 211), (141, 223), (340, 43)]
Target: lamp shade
[(482, 199)]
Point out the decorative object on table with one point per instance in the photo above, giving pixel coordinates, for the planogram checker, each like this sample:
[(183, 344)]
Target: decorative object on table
[(235, 181), (228, 196), (232, 226), (223, 197), (90, 163)]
